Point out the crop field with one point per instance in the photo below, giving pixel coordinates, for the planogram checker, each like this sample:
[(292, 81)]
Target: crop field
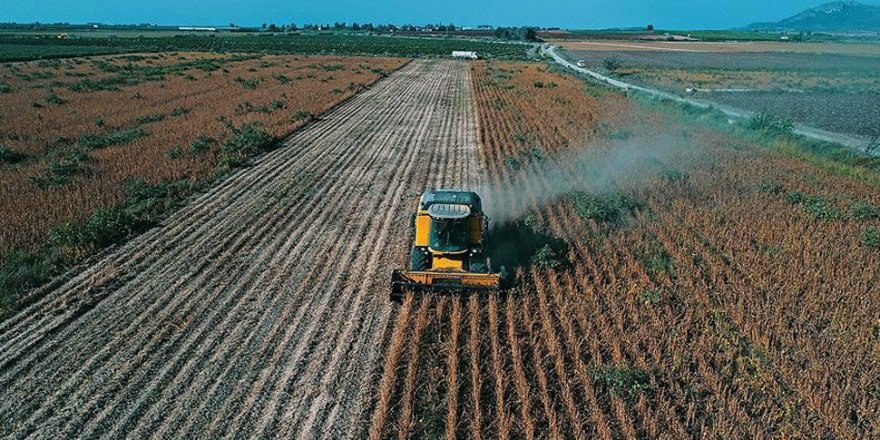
[(698, 300), (674, 276), (855, 113), (260, 308), (587, 43), (25, 46), (76, 133), (822, 85), (706, 37)]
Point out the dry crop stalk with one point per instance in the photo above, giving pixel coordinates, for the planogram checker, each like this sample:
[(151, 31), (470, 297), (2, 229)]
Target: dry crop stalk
[(452, 365), (474, 348), (390, 368), (503, 421), (405, 424)]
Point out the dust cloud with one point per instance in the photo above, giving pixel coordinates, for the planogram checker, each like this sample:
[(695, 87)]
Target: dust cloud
[(627, 164)]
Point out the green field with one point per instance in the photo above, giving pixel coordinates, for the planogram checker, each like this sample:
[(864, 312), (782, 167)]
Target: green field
[(33, 46)]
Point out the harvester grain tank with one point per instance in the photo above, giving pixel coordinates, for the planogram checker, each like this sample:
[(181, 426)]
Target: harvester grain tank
[(447, 254)]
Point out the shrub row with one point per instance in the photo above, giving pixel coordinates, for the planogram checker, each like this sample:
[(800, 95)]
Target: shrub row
[(144, 206), (609, 208)]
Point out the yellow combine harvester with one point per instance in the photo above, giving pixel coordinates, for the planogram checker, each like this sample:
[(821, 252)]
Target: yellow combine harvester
[(447, 252)]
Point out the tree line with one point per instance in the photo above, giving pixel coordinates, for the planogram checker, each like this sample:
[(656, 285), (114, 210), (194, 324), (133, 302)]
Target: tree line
[(504, 33)]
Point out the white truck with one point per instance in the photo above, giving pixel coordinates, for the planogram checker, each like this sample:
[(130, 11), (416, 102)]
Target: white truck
[(465, 55)]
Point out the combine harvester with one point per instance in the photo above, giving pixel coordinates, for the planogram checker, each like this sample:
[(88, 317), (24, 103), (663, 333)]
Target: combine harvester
[(447, 253)]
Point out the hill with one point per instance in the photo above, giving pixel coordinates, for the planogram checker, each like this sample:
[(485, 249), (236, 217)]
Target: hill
[(846, 15)]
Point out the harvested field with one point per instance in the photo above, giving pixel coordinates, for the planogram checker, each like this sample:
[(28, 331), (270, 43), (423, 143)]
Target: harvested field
[(759, 61), (698, 291), (855, 113), (261, 309), (819, 90), (82, 128), (859, 49)]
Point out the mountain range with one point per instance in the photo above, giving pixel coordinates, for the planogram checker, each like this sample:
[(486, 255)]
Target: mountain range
[(846, 15)]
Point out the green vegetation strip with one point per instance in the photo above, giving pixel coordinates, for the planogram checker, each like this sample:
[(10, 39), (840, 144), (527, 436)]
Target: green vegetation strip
[(25, 47), (130, 74), (145, 205)]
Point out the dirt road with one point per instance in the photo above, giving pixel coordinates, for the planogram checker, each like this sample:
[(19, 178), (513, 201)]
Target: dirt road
[(862, 145), (259, 310)]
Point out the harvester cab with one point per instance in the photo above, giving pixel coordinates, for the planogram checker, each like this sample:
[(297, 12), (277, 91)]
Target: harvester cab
[(450, 231)]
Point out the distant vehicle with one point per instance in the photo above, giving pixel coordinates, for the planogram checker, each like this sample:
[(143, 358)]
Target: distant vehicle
[(197, 28), (465, 55), (581, 63)]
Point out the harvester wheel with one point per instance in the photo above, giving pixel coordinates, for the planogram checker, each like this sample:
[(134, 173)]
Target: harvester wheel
[(419, 260)]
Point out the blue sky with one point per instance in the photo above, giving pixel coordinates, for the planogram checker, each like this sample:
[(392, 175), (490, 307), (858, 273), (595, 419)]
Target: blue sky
[(684, 14)]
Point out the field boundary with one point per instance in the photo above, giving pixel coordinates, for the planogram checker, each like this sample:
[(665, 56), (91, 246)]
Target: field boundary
[(851, 142)]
